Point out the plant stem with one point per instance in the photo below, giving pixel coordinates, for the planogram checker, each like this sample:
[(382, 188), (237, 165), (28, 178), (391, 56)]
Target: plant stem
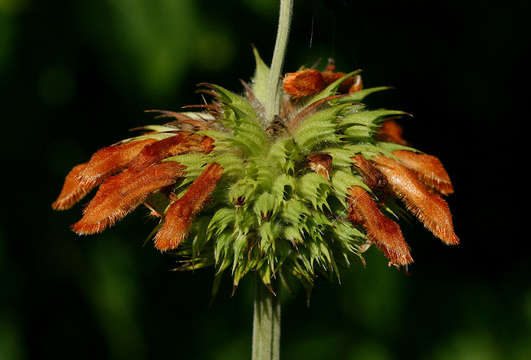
[(266, 324), (273, 94), (266, 317)]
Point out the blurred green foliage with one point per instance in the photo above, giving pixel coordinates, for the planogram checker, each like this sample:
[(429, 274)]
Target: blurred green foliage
[(77, 74)]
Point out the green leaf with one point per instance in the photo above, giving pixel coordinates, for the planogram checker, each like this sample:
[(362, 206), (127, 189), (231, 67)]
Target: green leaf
[(390, 147), (368, 118), (360, 95), (332, 88), (261, 78)]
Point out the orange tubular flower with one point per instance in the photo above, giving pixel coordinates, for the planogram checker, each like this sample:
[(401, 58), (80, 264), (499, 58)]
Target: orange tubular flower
[(429, 208), (321, 163), (428, 169), (122, 193), (110, 160), (182, 212), (181, 143), (381, 230), (303, 83), (83, 178), (310, 81)]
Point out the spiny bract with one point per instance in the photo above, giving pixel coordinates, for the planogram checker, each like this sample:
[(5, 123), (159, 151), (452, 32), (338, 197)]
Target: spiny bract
[(296, 195)]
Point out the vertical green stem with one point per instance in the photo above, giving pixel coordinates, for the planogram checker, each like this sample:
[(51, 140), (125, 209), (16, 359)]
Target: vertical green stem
[(266, 324), (273, 94), (266, 318)]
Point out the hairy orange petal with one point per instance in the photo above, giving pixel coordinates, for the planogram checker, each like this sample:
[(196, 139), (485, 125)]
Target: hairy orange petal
[(72, 190), (390, 131), (429, 208), (303, 83), (428, 169), (381, 230), (321, 163), (122, 193), (371, 175), (110, 160), (181, 143), (182, 212)]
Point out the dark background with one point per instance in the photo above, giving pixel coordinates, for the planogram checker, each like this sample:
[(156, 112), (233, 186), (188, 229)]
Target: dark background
[(75, 75)]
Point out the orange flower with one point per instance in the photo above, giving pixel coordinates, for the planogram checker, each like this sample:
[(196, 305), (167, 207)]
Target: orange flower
[(182, 212), (110, 160), (303, 83), (429, 208), (181, 143), (83, 178), (428, 169), (122, 193), (310, 81), (381, 230)]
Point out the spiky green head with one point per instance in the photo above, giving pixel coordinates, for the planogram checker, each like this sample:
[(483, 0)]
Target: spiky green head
[(271, 213)]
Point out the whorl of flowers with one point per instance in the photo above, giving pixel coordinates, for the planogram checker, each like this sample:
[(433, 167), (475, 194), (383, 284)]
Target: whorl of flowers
[(296, 195)]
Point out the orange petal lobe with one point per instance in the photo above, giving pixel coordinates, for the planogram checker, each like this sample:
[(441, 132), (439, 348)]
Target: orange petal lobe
[(122, 193), (72, 190), (181, 143), (110, 160), (303, 83), (182, 212), (428, 169), (381, 230), (321, 163), (429, 208), (390, 131)]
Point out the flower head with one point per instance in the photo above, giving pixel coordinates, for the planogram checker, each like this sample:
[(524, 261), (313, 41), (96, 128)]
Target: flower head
[(293, 196)]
